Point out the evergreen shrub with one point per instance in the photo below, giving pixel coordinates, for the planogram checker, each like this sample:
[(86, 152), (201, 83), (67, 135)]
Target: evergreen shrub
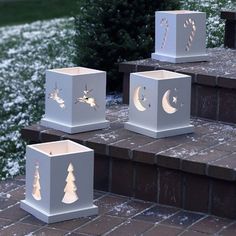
[(112, 31)]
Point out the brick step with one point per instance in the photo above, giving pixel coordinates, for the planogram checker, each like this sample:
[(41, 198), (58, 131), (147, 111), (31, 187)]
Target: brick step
[(213, 82), (195, 172)]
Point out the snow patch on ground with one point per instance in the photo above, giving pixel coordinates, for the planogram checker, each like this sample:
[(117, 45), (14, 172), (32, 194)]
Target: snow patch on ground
[(181, 152), (125, 209), (108, 136), (26, 51)]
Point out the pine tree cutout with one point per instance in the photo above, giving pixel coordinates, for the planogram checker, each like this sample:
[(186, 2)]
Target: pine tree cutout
[(36, 184), (70, 195)]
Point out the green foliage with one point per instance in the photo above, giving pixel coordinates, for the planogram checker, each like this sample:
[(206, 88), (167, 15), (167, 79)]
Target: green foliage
[(25, 11), (112, 31), (214, 25)]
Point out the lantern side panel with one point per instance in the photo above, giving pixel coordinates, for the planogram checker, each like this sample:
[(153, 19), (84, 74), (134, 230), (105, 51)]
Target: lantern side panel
[(72, 189), (143, 100), (192, 39), (89, 99), (174, 103), (34, 159), (165, 39), (58, 97)]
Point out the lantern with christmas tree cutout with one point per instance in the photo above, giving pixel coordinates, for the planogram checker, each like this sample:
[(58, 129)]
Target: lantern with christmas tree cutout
[(59, 181)]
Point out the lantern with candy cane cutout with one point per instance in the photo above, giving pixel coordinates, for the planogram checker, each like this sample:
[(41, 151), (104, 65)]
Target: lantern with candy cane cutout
[(180, 36)]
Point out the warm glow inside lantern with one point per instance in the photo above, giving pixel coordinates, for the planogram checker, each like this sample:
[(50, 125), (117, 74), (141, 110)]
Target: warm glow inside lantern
[(75, 99), (159, 103), (59, 181), (180, 36)]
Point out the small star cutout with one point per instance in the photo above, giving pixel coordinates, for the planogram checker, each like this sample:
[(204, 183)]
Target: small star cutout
[(174, 100)]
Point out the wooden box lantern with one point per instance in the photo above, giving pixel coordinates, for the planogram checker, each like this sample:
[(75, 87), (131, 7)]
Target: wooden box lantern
[(180, 36), (75, 99), (159, 103), (59, 181)]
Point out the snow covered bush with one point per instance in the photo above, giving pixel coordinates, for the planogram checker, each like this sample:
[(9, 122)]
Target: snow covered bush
[(215, 26), (26, 51)]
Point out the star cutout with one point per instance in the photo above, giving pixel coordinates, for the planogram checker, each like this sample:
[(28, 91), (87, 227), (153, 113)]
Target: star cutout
[(174, 100), (143, 98)]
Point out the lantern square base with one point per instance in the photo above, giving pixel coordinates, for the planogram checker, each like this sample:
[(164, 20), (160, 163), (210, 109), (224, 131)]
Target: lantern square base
[(159, 133), (62, 216), (74, 129), (182, 59)]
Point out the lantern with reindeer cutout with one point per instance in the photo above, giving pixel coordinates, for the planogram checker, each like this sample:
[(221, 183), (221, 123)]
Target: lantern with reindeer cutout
[(75, 99), (159, 103), (59, 181), (180, 36)]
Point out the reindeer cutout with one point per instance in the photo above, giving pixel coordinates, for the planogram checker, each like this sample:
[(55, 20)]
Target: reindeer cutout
[(54, 95), (87, 99)]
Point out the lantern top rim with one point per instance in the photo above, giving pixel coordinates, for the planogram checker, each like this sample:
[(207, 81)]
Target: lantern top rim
[(179, 12), (161, 74), (74, 71), (59, 148)]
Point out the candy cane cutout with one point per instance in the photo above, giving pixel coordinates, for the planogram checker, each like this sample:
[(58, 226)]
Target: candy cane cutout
[(192, 34), (164, 23)]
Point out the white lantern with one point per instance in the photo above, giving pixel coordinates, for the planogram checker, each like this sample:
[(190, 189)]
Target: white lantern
[(75, 99), (59, 181), (180, 36), (159, 103)]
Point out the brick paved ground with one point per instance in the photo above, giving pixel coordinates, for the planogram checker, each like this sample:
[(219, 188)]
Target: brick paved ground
[(118, 215)]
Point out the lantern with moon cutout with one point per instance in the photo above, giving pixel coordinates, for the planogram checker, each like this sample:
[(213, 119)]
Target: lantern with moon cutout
[(180, 36), (75, 99), (59, 181), (159, 103)]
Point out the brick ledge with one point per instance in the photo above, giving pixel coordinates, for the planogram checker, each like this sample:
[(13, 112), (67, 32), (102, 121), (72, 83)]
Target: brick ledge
[(209, 151)]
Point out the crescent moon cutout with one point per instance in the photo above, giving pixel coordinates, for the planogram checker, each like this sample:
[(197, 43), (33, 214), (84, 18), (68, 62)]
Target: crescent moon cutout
[(136, 99), (166, 103)]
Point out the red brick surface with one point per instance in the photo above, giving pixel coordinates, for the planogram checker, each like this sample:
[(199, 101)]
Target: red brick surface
[(183, 171), (118, 215)]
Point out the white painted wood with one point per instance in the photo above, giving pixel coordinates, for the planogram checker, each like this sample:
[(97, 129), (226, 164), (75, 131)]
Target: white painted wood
[(54, 162), (75, 99), (159, 103), (180, 36)]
